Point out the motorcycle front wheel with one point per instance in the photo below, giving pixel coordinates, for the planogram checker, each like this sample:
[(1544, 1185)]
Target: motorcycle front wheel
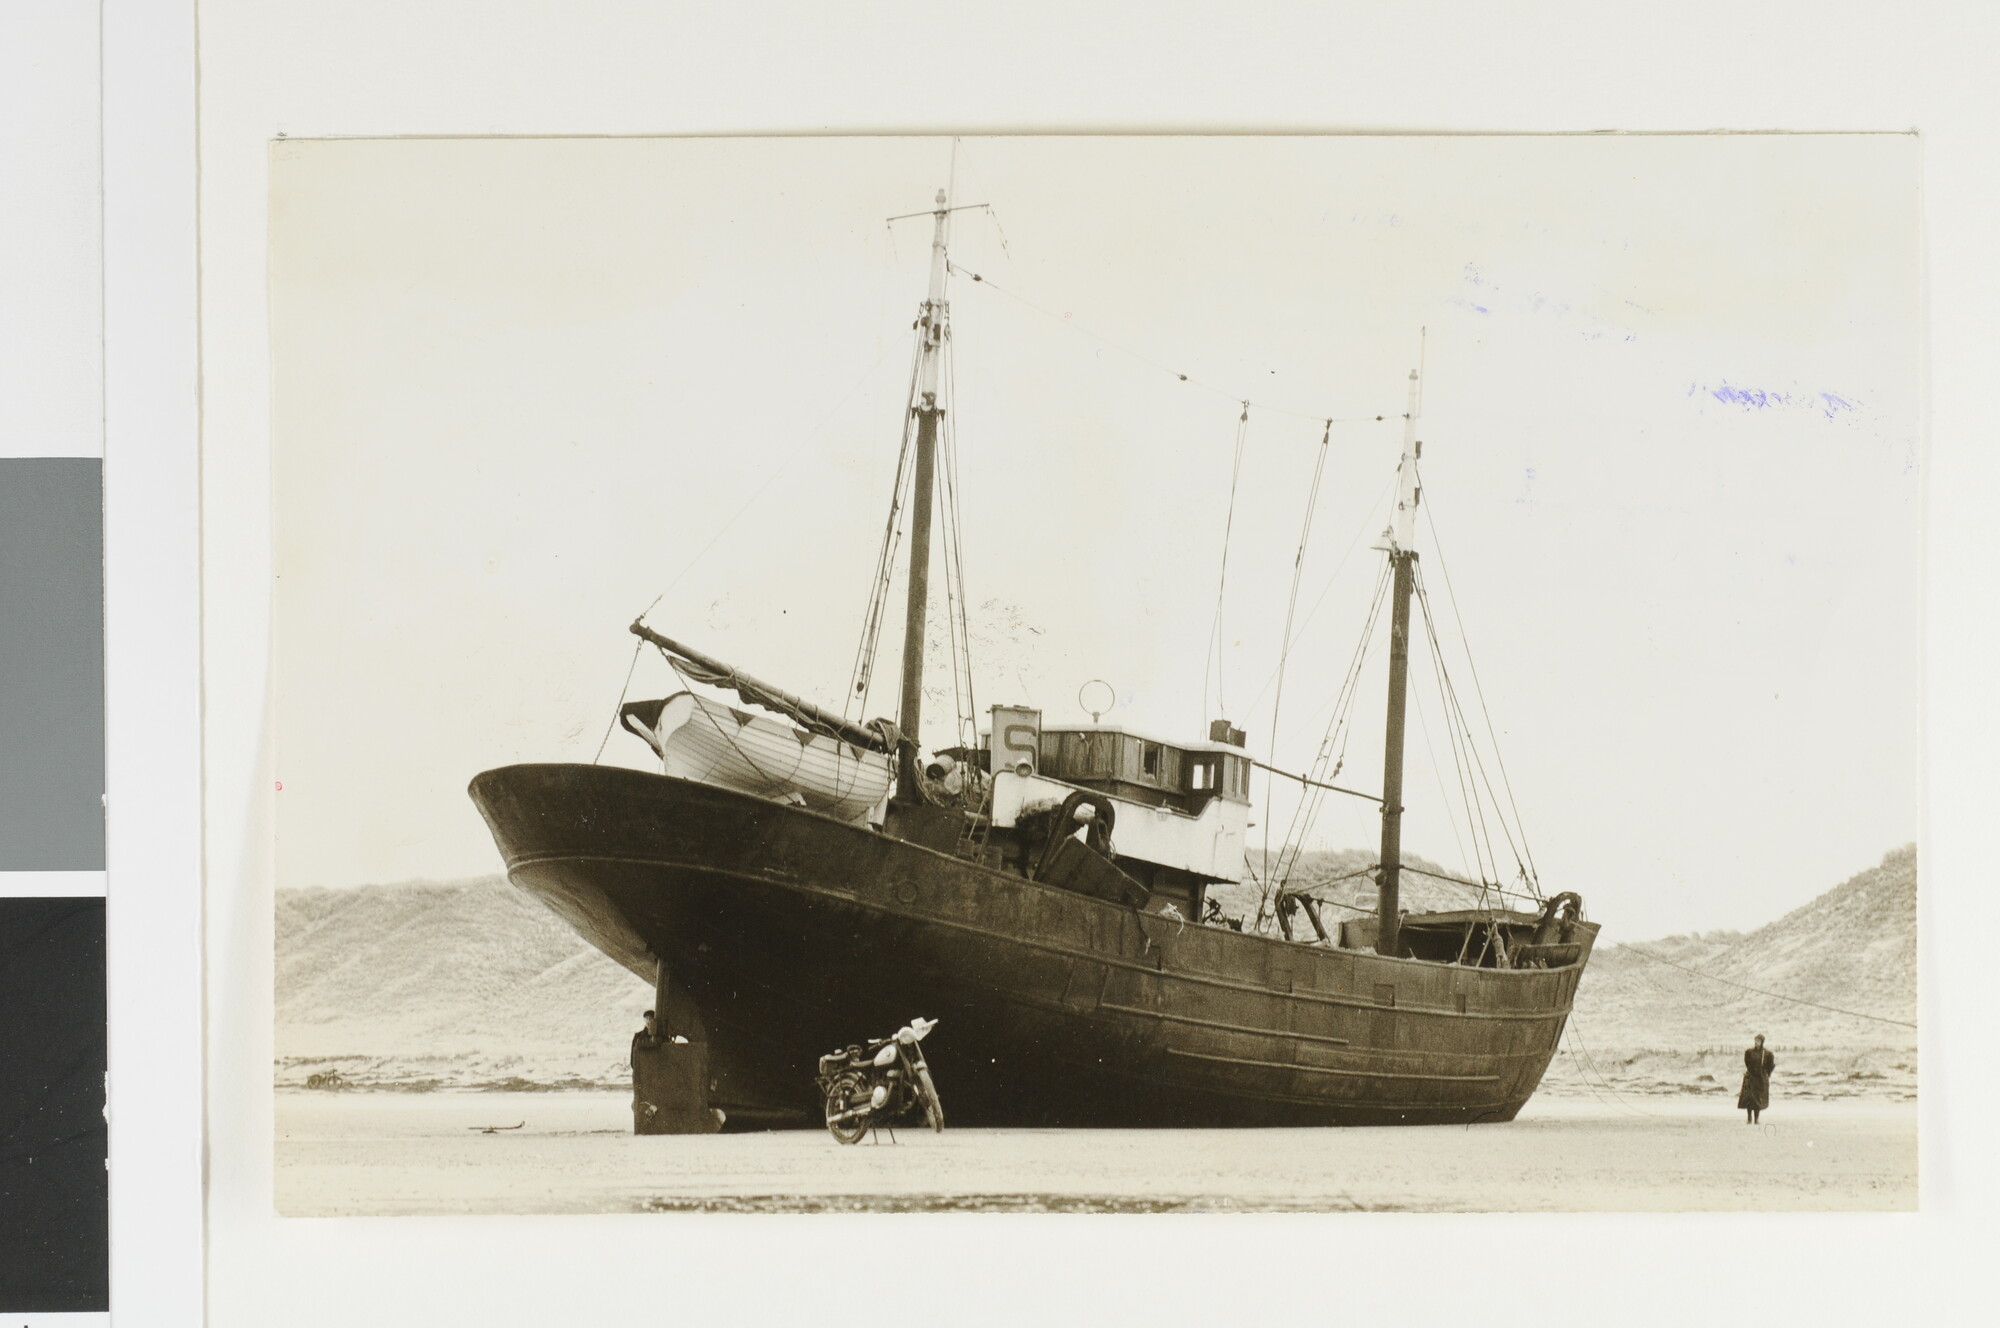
[(847, 1092), (933, 1108)]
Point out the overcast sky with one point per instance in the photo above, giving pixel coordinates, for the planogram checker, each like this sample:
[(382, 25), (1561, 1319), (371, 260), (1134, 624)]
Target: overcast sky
[(1672, 452)]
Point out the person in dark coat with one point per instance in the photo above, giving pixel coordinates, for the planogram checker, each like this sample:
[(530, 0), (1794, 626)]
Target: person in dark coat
[(1756, 1093), (646, 1038)]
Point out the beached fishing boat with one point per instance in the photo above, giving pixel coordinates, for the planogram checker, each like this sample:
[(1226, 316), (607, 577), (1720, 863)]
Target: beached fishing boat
[(793, 879)]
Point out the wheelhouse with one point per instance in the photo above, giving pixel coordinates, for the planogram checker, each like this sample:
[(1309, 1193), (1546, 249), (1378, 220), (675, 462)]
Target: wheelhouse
[(1110, 759)]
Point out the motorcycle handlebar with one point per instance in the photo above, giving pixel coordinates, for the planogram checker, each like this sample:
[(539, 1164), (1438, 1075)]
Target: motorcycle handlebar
[(873, 1045)]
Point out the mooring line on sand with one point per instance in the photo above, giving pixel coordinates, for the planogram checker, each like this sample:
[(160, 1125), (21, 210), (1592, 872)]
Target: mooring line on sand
[(1776, 996), (1576, 1044)]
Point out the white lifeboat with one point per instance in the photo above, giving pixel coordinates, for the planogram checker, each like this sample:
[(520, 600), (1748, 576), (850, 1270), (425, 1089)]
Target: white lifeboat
[(718, 744)]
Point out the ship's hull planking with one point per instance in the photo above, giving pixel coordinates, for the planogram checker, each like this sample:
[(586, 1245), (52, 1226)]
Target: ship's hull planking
[(795, 933)]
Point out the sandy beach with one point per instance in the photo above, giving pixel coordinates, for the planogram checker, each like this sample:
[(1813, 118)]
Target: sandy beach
[(425, 1153)]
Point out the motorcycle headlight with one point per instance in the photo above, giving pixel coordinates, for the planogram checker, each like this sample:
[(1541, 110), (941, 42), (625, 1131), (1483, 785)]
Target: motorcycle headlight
[(906, 1035), (886, 1056)]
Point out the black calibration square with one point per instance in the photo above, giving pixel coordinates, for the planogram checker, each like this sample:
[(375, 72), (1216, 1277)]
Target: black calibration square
[(54, 1187)]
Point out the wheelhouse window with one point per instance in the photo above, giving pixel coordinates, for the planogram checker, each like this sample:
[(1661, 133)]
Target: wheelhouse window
[(1235, 777)]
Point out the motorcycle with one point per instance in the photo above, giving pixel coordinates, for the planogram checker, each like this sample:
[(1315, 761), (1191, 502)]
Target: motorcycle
[(866, 1087)]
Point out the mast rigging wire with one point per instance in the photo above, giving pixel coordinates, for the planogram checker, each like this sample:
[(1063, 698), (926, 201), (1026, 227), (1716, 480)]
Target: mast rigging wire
[(1216, 646), (1312, 783), (630, 669), (956, 603), (1424, 727), (863, 675), (1486, 867), (1367, 524), (1479, 763), (1777, 996), (1576, 1043), (1291, 606), (945, 496), (1473, 665), (1462, 753), (1476, 885), (1332, 753)]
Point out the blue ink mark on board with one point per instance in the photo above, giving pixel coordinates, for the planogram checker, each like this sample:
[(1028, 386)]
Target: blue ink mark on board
[(1828, 404), (1753, 397), (1581, 322)]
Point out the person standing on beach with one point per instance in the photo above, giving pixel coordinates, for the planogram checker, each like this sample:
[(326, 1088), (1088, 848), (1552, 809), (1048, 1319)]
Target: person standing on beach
[(647, 1038), (1756, 1092)]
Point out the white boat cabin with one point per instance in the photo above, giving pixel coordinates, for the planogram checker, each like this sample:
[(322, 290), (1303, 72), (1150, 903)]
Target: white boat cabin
[(1182, 808)]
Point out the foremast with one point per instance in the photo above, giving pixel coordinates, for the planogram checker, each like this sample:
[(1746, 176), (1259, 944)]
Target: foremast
[(1397, 543), (932, 322)]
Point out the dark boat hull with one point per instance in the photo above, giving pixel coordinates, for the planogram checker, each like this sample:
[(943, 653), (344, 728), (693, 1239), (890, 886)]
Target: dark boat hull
[(796, 934)]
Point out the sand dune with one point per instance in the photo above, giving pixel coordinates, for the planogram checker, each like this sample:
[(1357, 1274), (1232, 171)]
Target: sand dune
[(474, 984), (1649, 1023)]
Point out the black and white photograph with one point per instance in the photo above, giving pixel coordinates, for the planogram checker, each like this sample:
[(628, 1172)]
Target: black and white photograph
[(721, 664), (1095, 674)]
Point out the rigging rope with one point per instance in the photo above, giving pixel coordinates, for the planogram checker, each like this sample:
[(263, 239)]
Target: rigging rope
[(1576, 1041), (1461, 744), (1479, 764), (944, 496), (863, 675), (1476, 885), (1484, 859), (1368, 523), (1795, 1000), (1215, 640), (1424, 727), (1291, 606), (1332, 753), (956, 605), (1479, 691), (1462, 754), (638, 644)]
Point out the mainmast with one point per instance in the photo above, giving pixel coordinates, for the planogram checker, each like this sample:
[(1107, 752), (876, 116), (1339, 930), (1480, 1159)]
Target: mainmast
[(1396, 542), (931, 325)]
